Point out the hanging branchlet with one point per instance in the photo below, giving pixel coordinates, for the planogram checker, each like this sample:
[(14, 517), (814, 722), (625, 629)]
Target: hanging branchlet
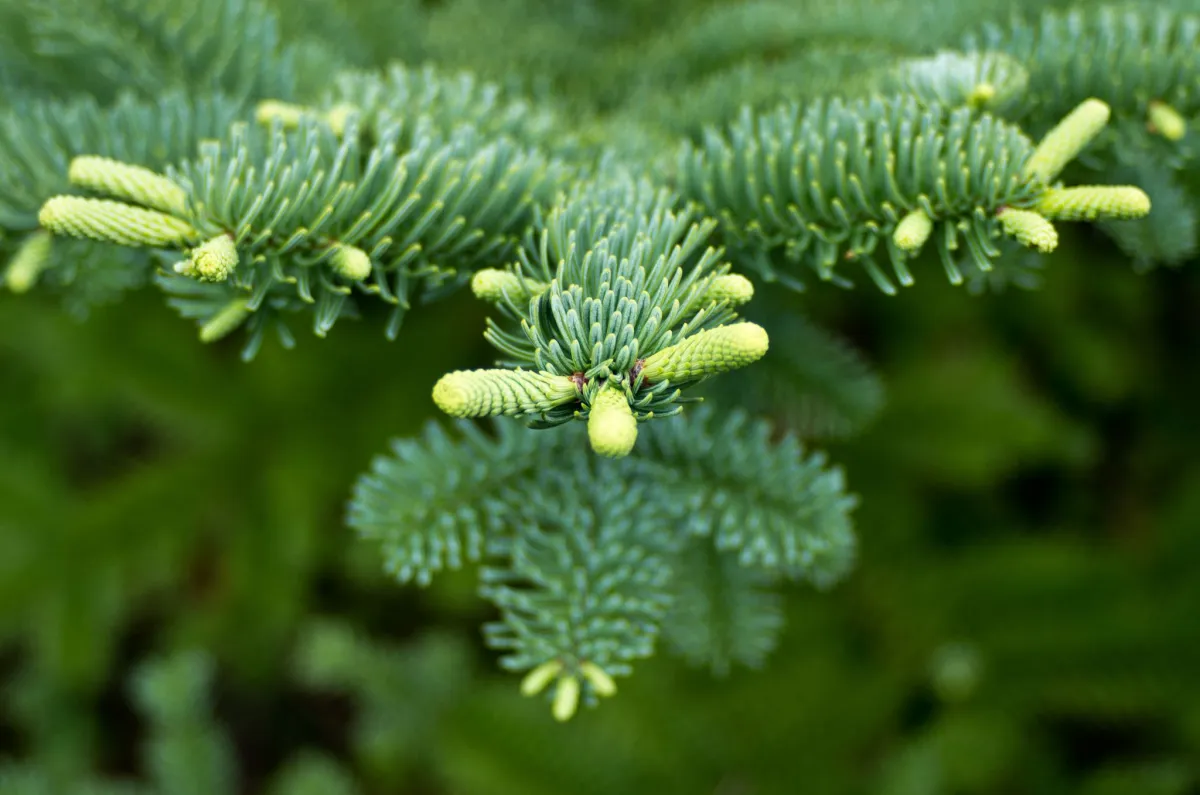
[(114, 222), (30, 260), (842, 182), (586, 558), (129, 183)]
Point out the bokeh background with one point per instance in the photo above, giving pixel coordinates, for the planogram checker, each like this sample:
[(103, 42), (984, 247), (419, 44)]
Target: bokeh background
[(183, 610)]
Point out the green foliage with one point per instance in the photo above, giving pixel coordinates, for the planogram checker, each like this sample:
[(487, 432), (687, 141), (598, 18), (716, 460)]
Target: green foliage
[(101, 48), (181, 608), (38, 140), (581, 570)]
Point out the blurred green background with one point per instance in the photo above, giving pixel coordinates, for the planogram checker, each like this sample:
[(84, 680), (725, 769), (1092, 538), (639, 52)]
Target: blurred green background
[(182, 609)]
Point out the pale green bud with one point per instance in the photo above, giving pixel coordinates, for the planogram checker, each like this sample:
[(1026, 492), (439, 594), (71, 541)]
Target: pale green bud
[(492, 284), (229, 318), (1166, 121), (28, 263), (289, 115), (981, 96), (601, 682), (732, 287), (566, 698), (1087, 203), (124, 181), (1030, 228), (483, 393), (712, 351), (1066, 140), (212, 262), (912, 231), (536, 680), (338, 117), (351, 262), (612, 427), (114, 222)]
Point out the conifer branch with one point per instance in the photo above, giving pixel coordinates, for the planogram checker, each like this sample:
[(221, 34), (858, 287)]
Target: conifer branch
[(841, 181)]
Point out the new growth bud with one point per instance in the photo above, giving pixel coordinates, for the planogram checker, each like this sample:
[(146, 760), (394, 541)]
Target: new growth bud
[(351, 263), (229, 318), (710, 352), (732, 287), (214, 261), (1029, 229), (1091, 202), (912, 231), (612, 427), (1066, 140), (1166, 121), (114, 222), (484, 393), (132, 183), (30, 260), (492, 284)]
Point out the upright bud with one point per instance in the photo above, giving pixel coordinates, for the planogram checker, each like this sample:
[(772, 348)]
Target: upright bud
[(612, 427), (212, 262), (912, 231), (123, 181), (1166, 121), (1094, 201), (1066, 140), (1029, 228), (712, 351), (30, 260), (483, 393), (114, 222)]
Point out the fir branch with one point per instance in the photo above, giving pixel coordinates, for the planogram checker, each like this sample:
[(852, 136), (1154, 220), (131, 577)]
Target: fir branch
[(309, 215), (839, 181), (630, 304), (723, 613), (39, 140), (582, 551), (1140, 61), (431, 503), (777, 508), (582, 585), (105, 47)]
